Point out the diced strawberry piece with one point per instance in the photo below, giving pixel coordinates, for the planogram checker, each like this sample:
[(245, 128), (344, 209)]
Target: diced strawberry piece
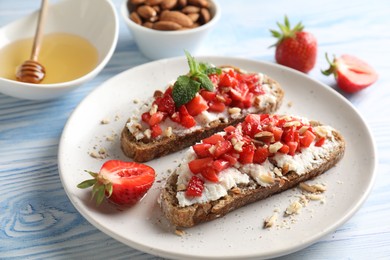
[(198, 165), (307, 138), (210, 174), (228, 80), (146, 117), (222, 147), (156, 118), (156, 131), (183, 111), (220, 165), (168, 91), (247, 102), (213, 139), (260, 155), (230, 158), (165, 104), (202, 150), (278, 132), (236, 95), (208, 95), (284, 149), (246, 156), (216, 106), (195, 187), (292, 147), (186, 119), (197, 105), (229, 129), (175, 117), (320, 142), (288, 135), (248, 78)]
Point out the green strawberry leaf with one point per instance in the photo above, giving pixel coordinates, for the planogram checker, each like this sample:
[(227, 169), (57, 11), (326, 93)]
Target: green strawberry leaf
[(184, 90), (86, 184)]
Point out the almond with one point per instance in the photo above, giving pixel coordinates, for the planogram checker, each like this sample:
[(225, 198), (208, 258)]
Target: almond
[(166, 26), (190, 9), (200, 3), (146, 11), (205, 15), (182, 3), (148, 25), (135, 18), (153, 2), (168, 4), (177, 17)]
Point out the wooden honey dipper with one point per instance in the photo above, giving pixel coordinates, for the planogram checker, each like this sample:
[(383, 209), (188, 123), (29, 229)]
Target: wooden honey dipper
[(31, 71)]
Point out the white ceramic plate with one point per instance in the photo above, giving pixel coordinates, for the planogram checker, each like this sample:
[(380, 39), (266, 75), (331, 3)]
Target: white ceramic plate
[(241, 233)]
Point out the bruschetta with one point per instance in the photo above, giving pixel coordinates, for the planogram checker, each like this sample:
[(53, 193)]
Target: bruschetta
[(263, 155)]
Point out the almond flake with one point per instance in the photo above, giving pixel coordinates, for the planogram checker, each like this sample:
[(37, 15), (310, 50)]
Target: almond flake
[(271, 221), (234, 110), (153, 110), (267, 178), (307, 187), (303, 129), (292, 123), (294, 208), (264, 134), (273, 148), (148, 133)]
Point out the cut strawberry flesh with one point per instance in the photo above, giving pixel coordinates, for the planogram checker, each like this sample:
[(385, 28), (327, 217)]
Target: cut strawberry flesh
[(195, 187)]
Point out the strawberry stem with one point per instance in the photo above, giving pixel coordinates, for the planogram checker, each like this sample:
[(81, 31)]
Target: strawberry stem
[(333, 67)]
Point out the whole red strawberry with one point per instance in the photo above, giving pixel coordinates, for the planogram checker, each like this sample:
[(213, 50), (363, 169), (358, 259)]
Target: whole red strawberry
[(123, 183), (295, 48), (351, 73)]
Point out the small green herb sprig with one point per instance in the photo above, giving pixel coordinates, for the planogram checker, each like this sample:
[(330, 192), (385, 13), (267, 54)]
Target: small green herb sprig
[(186, 86)]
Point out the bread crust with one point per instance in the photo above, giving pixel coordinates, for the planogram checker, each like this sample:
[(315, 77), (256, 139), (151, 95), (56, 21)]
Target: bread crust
[(142, 151), (197, 213)]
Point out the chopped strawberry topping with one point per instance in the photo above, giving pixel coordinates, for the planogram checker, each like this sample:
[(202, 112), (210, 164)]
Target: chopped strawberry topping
[(250, 142), (195, 187)]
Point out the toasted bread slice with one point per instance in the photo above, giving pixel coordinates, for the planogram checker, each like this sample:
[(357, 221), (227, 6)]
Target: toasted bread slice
[(145, 148), (279, 172)]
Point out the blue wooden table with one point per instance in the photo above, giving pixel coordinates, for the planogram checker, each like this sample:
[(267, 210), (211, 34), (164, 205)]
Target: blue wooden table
[(37, 220)]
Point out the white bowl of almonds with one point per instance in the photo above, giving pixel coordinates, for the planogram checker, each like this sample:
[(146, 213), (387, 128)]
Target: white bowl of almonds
[(165, 28)]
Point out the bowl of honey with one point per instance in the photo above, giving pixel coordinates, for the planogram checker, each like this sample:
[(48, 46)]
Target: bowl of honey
[(79, 40)]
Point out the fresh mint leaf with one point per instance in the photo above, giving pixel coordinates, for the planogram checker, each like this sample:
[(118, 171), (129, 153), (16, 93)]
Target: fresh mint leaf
[(208, 69), (194, 66), (184, 90), (205, 82)]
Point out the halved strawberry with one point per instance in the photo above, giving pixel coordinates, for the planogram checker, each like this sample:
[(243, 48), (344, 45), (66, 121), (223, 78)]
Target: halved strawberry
[(123, 183), (351, 73), (195, 187)]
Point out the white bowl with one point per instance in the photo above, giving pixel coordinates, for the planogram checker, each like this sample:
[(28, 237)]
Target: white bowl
[(156, 44), (95, 21)]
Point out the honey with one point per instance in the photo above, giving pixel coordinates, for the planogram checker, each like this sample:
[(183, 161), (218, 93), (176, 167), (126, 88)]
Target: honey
[(65, 57)]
